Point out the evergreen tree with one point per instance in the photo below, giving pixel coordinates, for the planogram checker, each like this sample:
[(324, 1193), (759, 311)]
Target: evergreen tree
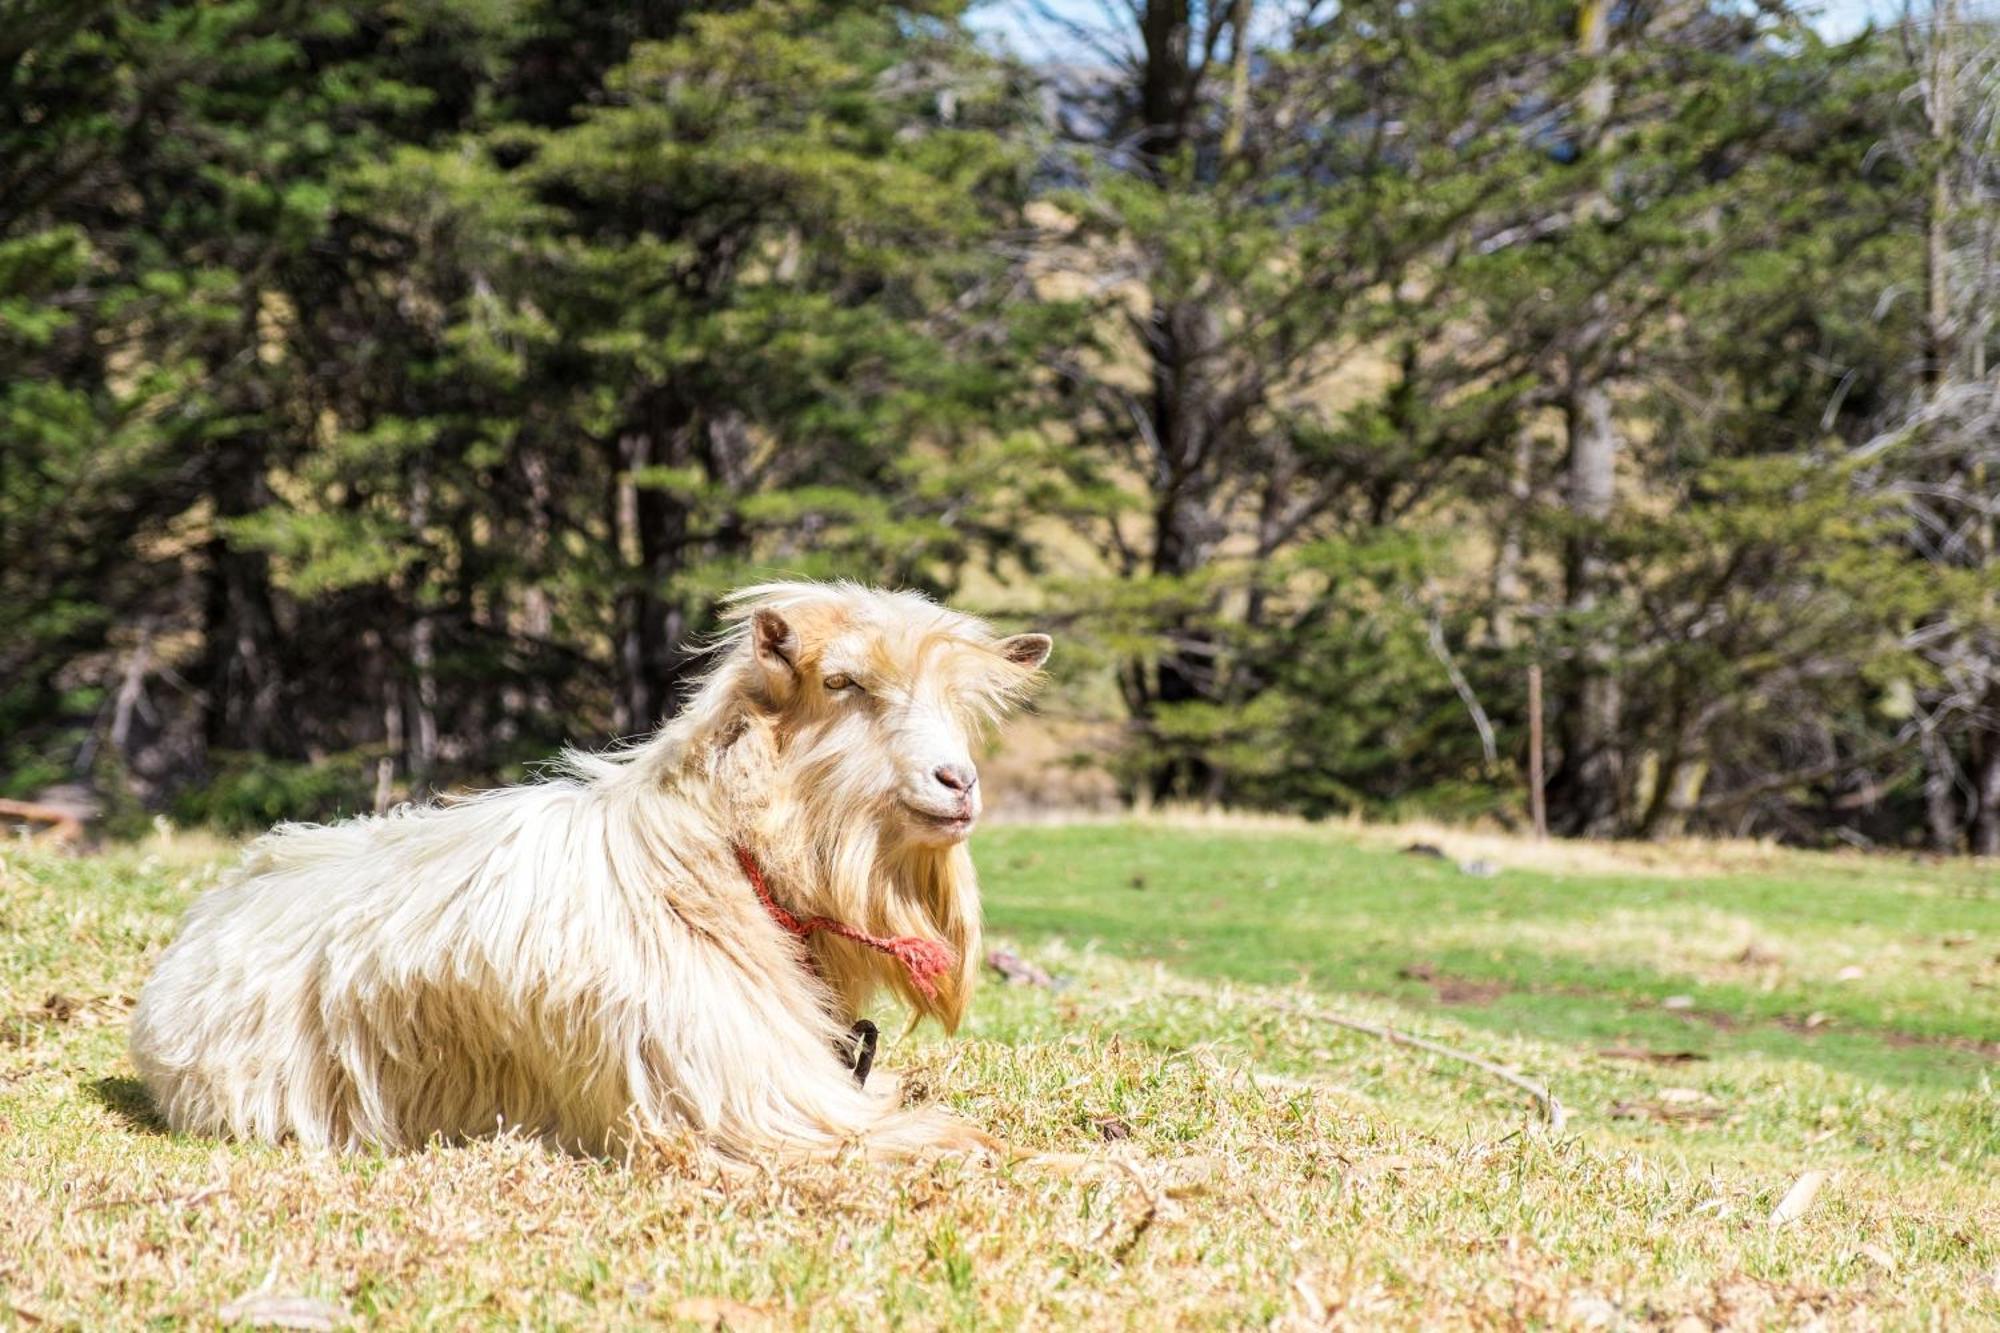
[(1284, 361), (167, 197), (387, 393)]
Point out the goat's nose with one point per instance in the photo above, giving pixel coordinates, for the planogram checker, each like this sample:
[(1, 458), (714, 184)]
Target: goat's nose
[(958, 777)]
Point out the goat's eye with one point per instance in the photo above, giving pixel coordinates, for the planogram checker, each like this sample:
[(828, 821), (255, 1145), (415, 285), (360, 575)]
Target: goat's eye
[(840, 682)]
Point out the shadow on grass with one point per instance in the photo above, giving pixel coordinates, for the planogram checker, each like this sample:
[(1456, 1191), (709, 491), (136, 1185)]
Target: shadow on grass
[(127, 1099)]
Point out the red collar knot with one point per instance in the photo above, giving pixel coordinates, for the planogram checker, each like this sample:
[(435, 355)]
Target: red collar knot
[(924, 960)]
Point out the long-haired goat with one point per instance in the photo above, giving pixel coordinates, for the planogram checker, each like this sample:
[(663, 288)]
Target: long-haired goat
[(592, 959)]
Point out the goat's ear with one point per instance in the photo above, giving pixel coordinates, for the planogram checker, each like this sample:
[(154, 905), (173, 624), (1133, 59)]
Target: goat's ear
[(1027, 651), (776, 646)]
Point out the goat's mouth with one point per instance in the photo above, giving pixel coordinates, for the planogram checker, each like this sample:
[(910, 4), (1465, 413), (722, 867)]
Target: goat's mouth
[(947, 825)]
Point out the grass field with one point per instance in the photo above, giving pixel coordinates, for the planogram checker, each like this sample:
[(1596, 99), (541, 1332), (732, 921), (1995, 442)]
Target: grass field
[(1717, 1027)]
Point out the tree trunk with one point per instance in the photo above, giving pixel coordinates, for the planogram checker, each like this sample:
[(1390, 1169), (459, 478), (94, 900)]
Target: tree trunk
[(242, 672), (389, 689), (1538, 810), (1178, 674), (1587, 790), (1163, 82), (1679, 795), (537, 611), (423, 740), (131, 693), (1984, 816), (653, 529), (1947, 829), (1940, 89), (1588, 787), (1180, 335), (1178, 341), (1940, 811), (1509, 589)]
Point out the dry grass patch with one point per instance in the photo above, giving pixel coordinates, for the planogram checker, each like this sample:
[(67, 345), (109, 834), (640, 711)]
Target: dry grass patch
[(1225, 1164), (1681, 858)]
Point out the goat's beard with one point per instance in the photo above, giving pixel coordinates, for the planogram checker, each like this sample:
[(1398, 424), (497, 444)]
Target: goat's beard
[(875, 877), (856, 858)]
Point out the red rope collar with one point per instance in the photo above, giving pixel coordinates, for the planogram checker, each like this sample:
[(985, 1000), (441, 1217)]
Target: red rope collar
[(924, 960)]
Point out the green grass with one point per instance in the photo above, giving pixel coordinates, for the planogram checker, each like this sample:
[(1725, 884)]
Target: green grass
[(1241, 1163), (1875, 966)]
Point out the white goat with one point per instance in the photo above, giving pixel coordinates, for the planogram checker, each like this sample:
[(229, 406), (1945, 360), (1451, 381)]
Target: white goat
[(595, 959)]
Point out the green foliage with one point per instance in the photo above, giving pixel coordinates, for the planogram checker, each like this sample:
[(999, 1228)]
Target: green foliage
[(247, 794), (414, 379)]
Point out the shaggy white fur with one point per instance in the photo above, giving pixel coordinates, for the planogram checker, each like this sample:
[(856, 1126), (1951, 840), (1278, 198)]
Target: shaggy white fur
[(581, 959)]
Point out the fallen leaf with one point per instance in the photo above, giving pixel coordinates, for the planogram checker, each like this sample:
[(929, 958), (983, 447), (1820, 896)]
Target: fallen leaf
[(263, 1309), (1112, 1128), (1798, 1198)]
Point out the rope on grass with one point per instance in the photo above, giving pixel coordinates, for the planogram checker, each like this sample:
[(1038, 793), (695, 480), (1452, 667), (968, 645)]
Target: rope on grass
[(1553, 1113)]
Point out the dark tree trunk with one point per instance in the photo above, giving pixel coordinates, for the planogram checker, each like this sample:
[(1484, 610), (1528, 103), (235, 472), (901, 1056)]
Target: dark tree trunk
[(242, 672), (1163, 82), (1179, 339), (1178, 676), (653, 536), (422, 750), (1940, 810), (1586, 794), (1984, 816)]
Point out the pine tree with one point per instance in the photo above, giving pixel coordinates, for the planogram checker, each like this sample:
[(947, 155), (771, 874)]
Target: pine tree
[(1293, 311)]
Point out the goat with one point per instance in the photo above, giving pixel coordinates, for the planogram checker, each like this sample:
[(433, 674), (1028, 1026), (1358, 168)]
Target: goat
[(595, 959)]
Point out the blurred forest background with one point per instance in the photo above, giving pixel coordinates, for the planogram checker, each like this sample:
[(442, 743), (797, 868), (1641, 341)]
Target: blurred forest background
[(389, 389)]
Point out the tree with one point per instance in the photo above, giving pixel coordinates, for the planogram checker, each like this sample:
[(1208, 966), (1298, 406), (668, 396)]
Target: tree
[(169, 192), (392, 369), (388, 393), (1295, 367), (1938, 444)]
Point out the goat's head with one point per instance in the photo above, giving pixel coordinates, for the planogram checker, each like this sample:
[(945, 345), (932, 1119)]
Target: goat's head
[(877, 697)]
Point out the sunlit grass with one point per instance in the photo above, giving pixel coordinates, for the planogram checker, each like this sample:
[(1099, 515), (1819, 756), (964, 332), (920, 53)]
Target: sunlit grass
[(1245, 1164)]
